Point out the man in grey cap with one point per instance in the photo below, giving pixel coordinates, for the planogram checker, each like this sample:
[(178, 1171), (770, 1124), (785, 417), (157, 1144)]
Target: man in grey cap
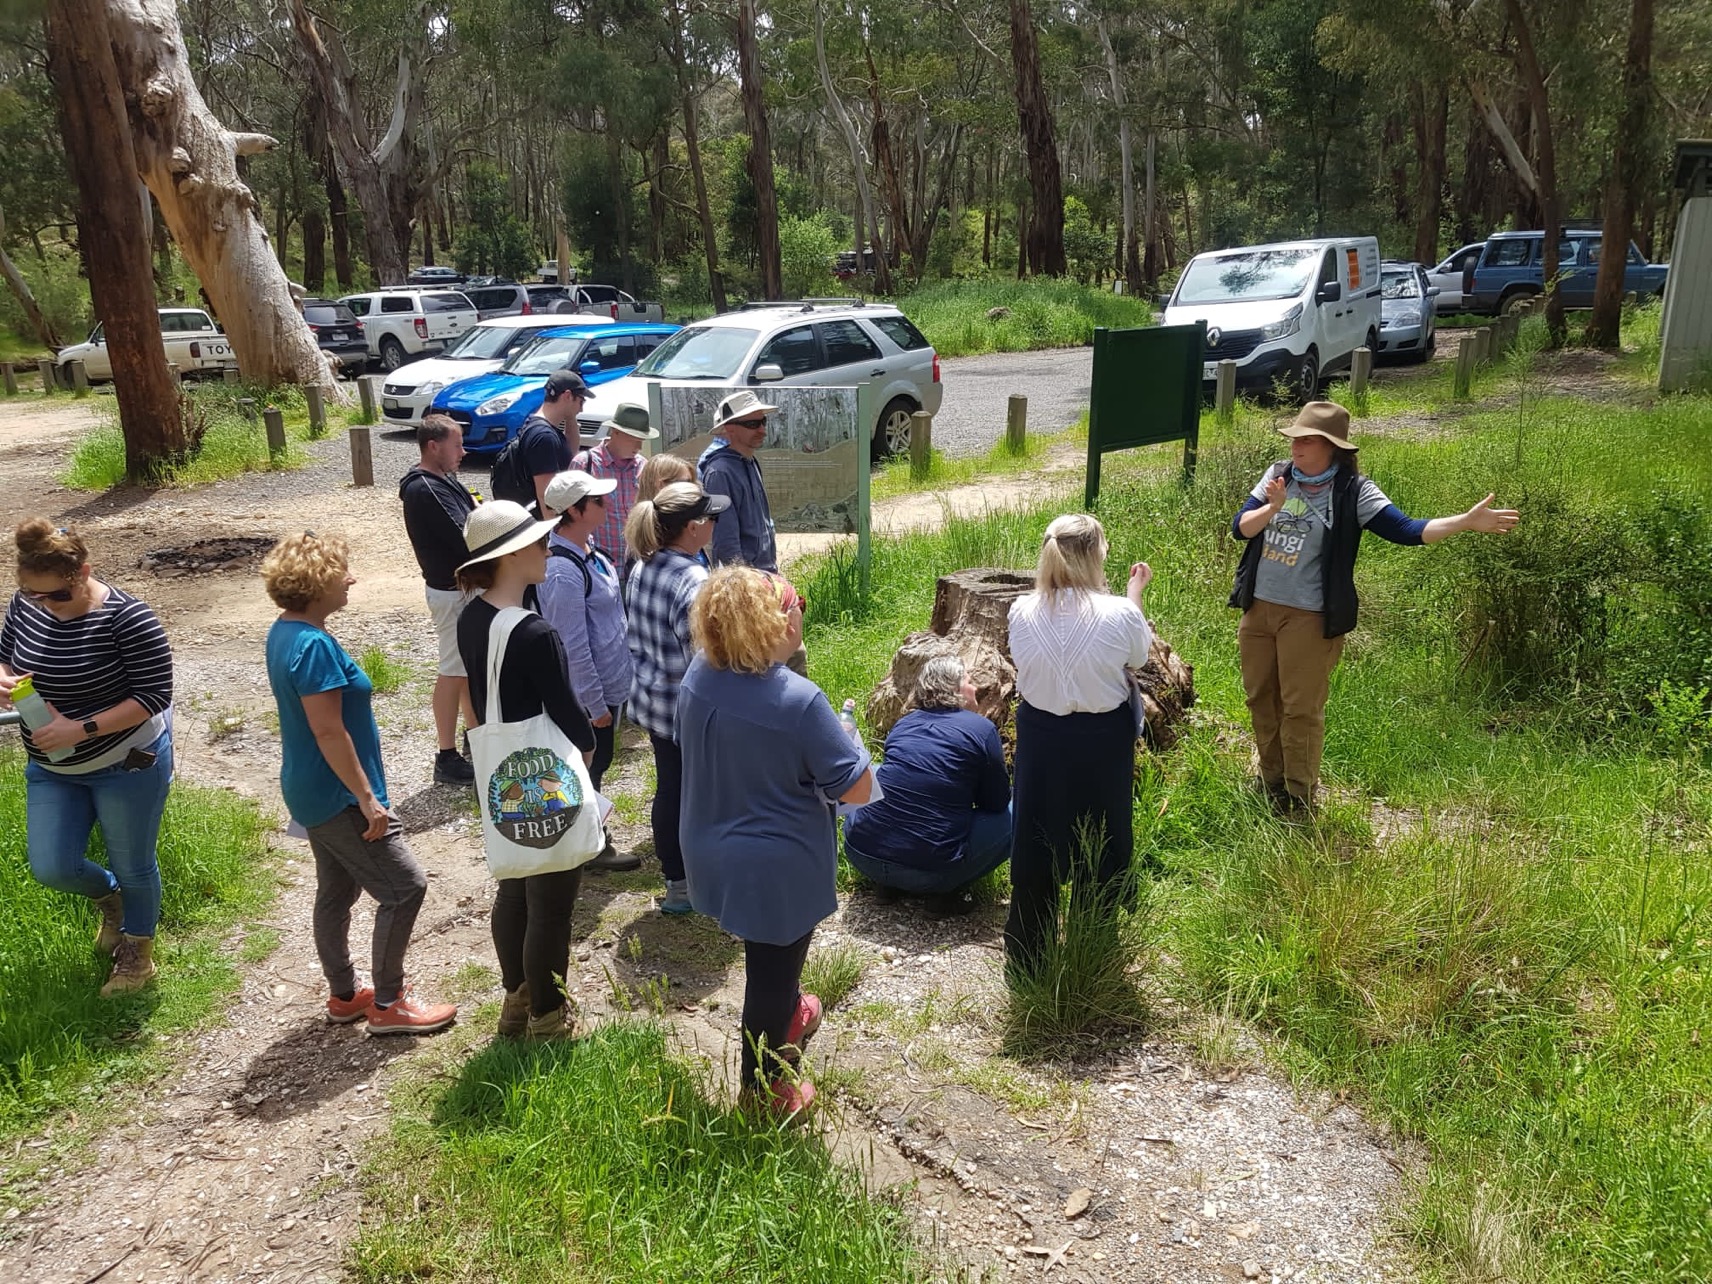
[(744, 532), (618, 458)]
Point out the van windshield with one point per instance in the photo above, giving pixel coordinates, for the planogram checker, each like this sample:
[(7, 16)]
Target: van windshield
[(1247, 275)]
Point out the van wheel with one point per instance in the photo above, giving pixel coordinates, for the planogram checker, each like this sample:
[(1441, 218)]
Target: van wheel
[(892, 433), (1513, 301), (1308, 377), (391, 353)]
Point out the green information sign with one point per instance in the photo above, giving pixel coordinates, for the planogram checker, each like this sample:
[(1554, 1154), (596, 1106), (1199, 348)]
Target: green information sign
[(1147, 389)]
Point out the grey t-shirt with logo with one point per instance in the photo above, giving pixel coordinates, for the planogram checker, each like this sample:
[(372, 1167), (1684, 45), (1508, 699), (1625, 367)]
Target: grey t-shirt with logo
[(1295, 538)]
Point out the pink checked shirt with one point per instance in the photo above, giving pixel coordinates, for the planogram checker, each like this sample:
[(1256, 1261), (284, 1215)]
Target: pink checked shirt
[(596, 461)]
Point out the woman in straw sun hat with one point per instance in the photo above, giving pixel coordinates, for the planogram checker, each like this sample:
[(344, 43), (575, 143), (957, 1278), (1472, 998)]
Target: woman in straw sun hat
[(1295, 586), (531, 918)]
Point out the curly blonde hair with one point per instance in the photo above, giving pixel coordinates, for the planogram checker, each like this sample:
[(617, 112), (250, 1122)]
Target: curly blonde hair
[(301, 568), (738, 620)]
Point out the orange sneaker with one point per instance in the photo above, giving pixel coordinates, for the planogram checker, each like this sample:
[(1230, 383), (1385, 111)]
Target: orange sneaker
[(344, 1011), (403, 1016)]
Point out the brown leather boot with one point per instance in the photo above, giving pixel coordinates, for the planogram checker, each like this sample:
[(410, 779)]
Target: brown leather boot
[(133, 965), (514, 1015), (112, 907)]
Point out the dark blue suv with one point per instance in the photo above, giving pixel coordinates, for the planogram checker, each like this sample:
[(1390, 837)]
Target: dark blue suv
[(1510, 271)]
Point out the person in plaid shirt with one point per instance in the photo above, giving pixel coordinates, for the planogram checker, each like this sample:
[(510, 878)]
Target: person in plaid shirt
[(667, 533), (618, 457)]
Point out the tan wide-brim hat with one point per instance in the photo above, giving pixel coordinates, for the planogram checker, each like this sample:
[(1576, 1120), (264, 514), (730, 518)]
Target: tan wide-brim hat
[(1322, 419), (499, 527)]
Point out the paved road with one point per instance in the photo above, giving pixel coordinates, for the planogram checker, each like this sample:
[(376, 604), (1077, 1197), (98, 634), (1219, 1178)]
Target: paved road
[(977, 390)]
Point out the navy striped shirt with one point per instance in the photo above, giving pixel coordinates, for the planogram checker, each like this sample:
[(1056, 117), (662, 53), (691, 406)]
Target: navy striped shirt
[(86, 665)]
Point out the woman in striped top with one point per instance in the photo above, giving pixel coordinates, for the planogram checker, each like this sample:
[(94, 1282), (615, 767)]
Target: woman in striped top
[(100, 660)]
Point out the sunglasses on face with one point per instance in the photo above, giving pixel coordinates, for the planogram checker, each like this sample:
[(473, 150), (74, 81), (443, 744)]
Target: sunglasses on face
[(51, 595), (748, 423)]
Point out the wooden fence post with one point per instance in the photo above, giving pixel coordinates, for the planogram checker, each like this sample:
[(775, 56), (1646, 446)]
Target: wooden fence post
[(1360, 370), (1016, 425), (365, 390), (247, 408), (317, 410), (79, 379), (10, 377), (1483, 345), (921, 445), (45, 371), (362, 458), (1464, 367), (275, 421), (1224, 391), (232, 375)]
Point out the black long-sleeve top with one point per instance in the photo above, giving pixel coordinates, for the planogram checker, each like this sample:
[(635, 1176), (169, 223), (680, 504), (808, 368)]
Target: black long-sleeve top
[(533, 679)]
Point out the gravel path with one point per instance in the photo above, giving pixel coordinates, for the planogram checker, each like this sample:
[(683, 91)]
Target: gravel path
[(1056, 383)]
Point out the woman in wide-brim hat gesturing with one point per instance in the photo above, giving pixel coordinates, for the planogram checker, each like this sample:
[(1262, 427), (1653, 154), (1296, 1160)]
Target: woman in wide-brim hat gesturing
[(1295, 586)]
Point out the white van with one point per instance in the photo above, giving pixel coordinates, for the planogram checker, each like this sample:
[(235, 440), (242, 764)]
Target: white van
[(1285, 313)]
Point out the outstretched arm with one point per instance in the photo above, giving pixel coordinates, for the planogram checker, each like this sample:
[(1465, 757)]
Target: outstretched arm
[(1482, 517)]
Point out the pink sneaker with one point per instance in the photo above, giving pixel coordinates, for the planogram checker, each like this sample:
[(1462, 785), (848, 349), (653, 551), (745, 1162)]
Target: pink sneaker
[(805, 1021), (785, 1099), (403, 1016), (344, 1011)]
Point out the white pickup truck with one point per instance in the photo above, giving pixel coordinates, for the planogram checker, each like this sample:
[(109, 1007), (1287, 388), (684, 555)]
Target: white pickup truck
[(193, 343), (605, 301)]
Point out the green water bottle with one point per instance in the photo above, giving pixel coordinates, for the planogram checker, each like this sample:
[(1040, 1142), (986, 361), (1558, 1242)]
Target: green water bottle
[(36, 714)]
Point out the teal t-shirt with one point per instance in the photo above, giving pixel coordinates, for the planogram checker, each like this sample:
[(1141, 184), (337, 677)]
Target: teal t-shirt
[(303, 660)]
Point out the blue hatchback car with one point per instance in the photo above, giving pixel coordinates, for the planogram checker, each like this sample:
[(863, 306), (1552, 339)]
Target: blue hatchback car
[(492, 407)]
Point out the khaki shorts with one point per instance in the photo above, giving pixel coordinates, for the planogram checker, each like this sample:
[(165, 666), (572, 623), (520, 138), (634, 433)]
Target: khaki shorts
[(446, 605)]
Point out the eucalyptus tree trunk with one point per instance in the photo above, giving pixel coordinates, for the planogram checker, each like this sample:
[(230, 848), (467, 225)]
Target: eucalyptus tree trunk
[(1043, 240), (1131, 249), (760, 153), (20, 289), (866, 213), (1431, 114), (1627, 177), (1551, 220)]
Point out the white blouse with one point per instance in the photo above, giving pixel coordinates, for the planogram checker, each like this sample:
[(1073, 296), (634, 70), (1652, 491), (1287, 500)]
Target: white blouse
[(1070, 649)]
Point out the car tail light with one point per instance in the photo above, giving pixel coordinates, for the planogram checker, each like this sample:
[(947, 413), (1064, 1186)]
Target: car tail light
[(527, 310), (615, 312), (360, 330), (421, 327), (196, 351), (936, 367)]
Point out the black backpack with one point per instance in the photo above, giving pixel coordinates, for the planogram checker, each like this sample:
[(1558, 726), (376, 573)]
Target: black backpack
[(553, 550), (511, 478)]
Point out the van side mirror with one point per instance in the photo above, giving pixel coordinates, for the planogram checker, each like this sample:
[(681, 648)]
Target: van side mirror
[(1330, 292), (769, 373)]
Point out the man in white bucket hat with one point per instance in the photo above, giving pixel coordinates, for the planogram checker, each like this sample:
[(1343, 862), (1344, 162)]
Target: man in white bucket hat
[(744, 532)]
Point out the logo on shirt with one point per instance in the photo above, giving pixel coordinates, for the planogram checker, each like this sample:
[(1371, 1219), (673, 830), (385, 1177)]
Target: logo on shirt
[(533, 798), (1288, 532)]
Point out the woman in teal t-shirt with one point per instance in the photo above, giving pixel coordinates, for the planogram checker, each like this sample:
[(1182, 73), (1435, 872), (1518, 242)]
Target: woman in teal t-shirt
[(335, 788)]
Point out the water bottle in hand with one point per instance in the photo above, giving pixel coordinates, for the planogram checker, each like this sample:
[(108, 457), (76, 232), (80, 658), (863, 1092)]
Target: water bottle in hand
[(847, 720), (35, 713)]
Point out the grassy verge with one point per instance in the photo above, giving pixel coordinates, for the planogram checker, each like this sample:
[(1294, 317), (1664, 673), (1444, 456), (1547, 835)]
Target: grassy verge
[(892, 478), (607, 1160), (1498, 932), (59, 1040), (231, 445), (1041, 313)]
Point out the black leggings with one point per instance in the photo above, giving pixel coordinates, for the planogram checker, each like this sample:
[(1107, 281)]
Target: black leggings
[(772, 984), (668, 805), (532, 934), (604, 745), (1074, 773)]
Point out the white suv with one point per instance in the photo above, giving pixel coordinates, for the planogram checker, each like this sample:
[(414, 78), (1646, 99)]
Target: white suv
[(818, 343), (402, 323), (193, 343)]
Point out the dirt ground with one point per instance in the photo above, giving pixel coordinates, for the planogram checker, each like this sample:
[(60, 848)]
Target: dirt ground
[(242, 1163)]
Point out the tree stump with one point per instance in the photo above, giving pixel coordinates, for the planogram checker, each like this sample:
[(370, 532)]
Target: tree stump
[(971, 617)]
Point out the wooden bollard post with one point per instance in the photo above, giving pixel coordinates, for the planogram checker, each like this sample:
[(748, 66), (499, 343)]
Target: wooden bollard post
[(1483, 345), (1360, 371), (45, 370), (362, 458), (247, 408), (365, 390), (232, 374), (1630, 298), (79, 379), (1224, 391), (317, 410), (1464, 367), (10, 376), (1016, 424), (275, 421), (921, 445)]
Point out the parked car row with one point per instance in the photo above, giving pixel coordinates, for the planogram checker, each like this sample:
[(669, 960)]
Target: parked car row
[(1508, 268)]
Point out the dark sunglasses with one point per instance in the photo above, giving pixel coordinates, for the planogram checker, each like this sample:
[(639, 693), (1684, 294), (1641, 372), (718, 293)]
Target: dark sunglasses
[(52, 595), (748, 423)]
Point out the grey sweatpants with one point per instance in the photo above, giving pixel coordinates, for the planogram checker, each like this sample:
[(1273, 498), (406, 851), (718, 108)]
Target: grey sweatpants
[(346, 866)]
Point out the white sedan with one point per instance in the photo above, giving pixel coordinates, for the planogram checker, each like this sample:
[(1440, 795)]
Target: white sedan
[(411, 389)]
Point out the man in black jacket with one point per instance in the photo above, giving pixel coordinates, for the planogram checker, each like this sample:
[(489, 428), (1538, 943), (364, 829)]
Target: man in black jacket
[(435, 508)]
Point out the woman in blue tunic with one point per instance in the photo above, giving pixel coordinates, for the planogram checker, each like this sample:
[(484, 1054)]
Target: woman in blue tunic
[(765, 760)]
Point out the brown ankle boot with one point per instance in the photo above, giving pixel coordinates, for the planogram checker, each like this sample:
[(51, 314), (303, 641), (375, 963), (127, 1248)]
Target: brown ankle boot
[(514, 1015), (112, 907), (133, 965)]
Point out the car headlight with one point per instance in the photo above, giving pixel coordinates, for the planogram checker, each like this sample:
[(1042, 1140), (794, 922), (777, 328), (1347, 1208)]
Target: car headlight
[(1408, 316), (498, 405), (1284, 327), (429, 389)]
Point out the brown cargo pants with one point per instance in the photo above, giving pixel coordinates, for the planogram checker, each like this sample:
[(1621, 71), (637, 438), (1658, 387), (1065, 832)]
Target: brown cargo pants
[(1287, 664)]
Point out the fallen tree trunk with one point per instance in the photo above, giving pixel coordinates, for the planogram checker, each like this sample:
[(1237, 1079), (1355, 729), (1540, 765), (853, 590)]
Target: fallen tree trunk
[(189, 161)]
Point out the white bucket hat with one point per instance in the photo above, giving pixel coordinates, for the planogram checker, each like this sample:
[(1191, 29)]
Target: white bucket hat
[(740, 405), (499, 527), (568, 487)]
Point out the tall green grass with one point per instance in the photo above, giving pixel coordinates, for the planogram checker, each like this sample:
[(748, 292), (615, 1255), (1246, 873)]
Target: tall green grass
[(58, 1038), (1499, 930), (608, 1159), (1042, 313)]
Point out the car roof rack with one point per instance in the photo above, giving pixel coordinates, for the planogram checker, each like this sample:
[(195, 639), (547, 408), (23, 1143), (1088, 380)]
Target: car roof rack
[(802, 305)]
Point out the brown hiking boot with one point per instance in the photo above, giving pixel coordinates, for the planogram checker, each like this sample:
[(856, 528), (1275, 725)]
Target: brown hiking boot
[(514, 1016), (112, 907), (133, 965), (560, 1023)]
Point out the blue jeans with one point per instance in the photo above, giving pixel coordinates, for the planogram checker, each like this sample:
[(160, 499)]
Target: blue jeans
[(988, 847), (61, 810)]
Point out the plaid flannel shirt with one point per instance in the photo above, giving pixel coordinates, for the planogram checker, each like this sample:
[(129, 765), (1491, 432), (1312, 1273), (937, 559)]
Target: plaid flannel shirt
[(660, 592), (598, 462)]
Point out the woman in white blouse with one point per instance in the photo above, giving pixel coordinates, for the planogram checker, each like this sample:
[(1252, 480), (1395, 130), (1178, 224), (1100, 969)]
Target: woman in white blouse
[(1075, 731)]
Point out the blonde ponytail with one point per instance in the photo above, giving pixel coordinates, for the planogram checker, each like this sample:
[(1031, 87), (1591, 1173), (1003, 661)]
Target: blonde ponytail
[(1073, 556)]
